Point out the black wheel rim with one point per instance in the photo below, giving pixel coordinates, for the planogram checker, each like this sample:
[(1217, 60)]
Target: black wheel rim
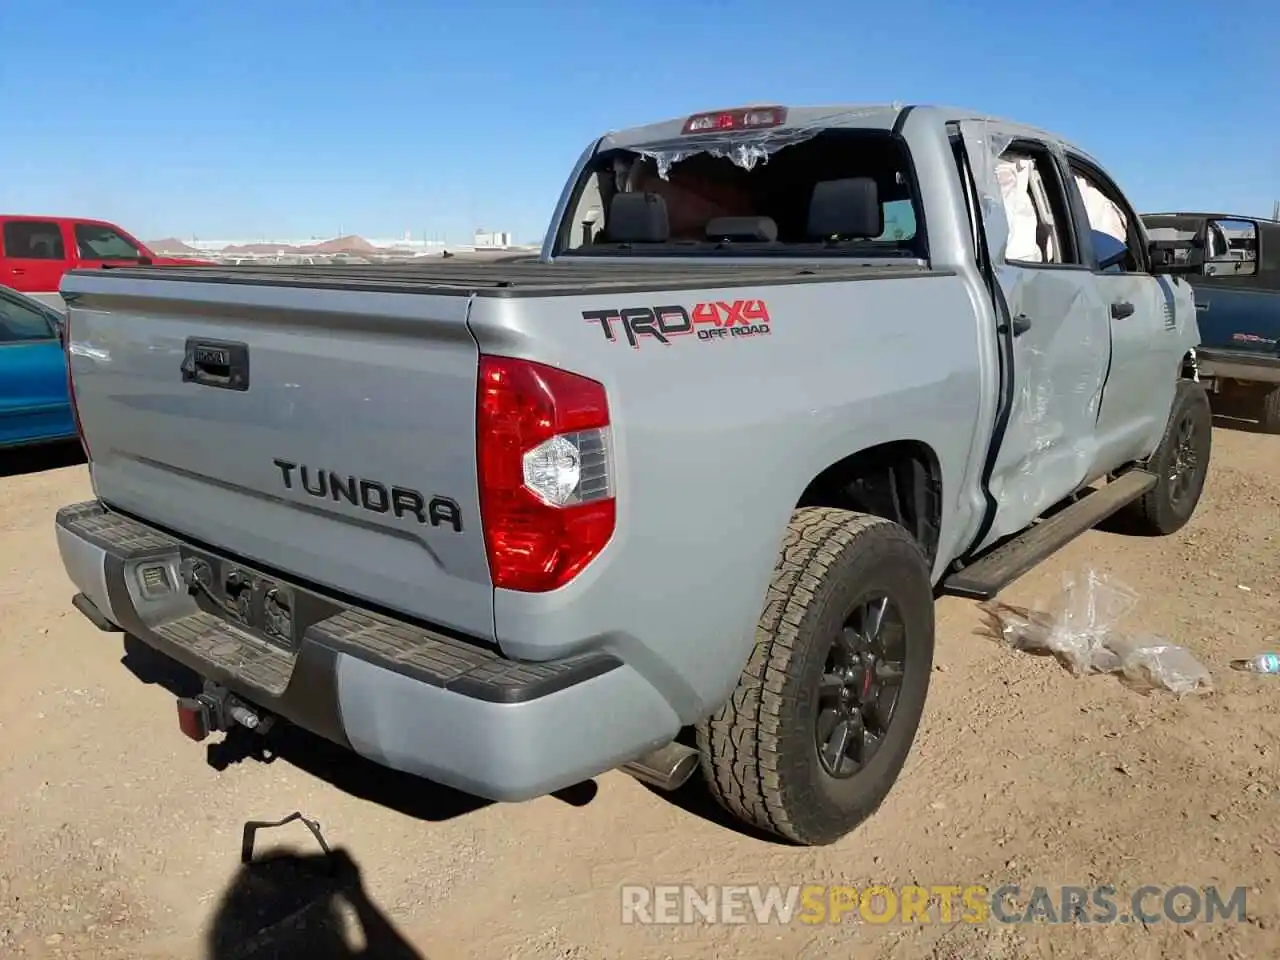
[(1186, 462), (861, 680)]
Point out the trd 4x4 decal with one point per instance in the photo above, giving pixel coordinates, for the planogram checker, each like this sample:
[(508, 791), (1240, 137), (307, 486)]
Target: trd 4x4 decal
[(710, 321)]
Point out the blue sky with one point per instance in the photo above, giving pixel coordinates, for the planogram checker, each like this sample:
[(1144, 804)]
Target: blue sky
[(232, 119)]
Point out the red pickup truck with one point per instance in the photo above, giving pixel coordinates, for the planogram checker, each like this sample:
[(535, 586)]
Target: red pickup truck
[(36, 251)]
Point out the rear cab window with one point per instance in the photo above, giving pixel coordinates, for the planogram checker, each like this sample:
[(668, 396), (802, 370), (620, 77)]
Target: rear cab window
[(33, 240), (99, 242), (812, 192)]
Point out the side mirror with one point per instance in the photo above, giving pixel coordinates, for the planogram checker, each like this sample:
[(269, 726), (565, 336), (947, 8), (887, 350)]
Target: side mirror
[(145, 261), (1230, 248), (1164, 260)]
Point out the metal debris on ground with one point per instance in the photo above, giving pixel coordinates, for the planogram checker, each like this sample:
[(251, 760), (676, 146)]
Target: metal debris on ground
[(1081, 629), (1260, 663)]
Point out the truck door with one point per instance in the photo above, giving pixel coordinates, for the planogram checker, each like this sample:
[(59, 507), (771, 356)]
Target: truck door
[(34, 255), (1144, 314), (1058, 326)]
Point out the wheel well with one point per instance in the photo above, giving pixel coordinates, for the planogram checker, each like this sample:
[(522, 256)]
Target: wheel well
[(900, 481)]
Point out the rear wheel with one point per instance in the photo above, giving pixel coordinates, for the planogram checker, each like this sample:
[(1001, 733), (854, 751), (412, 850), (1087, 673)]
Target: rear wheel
[(1180, 463), (1269, 415), (824, 715)]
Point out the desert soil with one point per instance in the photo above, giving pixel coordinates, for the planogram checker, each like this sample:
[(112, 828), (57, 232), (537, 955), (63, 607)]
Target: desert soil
[(118, 837)]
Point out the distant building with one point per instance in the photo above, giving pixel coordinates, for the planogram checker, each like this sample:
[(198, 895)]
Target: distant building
[(486, 238)]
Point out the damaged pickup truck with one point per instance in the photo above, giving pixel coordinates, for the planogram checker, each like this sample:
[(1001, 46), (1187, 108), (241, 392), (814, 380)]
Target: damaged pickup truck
[(679, 494)]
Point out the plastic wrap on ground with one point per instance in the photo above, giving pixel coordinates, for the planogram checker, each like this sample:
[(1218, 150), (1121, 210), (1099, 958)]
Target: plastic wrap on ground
[(1081, 628), (746, 150)]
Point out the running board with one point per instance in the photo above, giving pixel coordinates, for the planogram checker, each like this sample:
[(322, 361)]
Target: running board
[(991, 573)]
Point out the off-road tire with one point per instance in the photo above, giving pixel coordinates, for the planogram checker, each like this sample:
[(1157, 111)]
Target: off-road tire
[(759, 753), (1269, 412), (1155, 514)]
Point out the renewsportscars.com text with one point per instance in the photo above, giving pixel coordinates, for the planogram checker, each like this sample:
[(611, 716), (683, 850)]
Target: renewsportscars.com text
[(942, 903)]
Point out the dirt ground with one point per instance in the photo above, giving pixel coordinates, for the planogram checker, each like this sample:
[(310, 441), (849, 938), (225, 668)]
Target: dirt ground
[(119, 838)]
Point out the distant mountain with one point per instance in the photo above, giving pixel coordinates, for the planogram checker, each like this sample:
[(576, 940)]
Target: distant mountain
[(269, 249), (351, 244), (171, 246)]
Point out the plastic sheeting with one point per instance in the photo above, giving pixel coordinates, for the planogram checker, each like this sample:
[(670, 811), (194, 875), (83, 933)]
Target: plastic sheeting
[(1081, 628), (747, 150), (1014, 178)]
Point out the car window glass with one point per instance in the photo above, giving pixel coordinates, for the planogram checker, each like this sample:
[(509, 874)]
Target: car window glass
[(103, 243), (33, 240), (1107, 216), (20, 323)]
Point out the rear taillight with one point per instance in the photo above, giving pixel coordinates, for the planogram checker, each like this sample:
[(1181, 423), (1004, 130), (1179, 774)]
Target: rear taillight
[(545, 464), (65, 333)]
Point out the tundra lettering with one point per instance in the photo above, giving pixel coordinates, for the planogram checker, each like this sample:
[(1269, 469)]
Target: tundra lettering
[(213, 357), (372, 495)]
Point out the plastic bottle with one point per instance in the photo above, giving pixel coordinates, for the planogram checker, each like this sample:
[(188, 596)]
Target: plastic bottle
[(1262, 663)]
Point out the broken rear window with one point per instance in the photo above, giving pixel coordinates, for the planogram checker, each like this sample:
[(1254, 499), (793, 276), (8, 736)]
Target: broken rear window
[(844, 192)]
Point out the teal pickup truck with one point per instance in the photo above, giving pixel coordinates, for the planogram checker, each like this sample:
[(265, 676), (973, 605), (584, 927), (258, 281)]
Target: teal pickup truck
[(1233, 265)]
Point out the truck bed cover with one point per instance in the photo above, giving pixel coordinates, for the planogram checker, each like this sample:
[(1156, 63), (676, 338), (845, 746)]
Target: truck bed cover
[(520, 279)]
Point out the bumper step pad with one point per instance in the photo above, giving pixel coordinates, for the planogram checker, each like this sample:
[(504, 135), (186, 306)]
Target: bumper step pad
[(426, 655)]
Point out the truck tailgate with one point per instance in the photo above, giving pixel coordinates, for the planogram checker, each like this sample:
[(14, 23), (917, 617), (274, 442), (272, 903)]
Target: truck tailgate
[(328, 435)]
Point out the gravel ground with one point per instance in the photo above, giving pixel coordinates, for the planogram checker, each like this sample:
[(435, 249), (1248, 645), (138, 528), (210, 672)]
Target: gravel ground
[(119, 838)]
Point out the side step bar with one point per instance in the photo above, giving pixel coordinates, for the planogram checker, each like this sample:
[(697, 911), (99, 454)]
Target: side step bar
[(999, 567), (667, 768)]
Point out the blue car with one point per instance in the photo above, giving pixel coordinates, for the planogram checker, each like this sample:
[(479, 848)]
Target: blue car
[(34, 405)]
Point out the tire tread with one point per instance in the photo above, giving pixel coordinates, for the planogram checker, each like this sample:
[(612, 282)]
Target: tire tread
[(740, 743)]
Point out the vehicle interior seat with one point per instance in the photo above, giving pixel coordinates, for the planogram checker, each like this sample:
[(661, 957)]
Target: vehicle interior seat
[(637, 218), (41, 247), (847, 209), (743, 230)]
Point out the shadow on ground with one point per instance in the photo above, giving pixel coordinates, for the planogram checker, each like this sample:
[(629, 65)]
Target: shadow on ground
[(1241, 424), (287, 904), (18, 461), (350, 773), (1237, 411)]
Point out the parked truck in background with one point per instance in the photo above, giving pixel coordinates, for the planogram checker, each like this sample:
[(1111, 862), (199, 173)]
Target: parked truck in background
[(680, 494), (35, 252), (1233, 264)]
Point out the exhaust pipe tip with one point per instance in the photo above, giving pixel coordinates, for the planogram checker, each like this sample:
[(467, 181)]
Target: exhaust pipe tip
[(667, 768)]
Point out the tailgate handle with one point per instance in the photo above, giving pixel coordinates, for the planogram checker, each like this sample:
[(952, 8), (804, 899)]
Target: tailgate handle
[(216, 363)]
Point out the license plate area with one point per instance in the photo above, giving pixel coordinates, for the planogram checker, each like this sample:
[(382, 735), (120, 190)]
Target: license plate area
[(270, 609)]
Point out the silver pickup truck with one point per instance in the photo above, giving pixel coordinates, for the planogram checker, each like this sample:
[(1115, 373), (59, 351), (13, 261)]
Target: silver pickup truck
[(679, 492)]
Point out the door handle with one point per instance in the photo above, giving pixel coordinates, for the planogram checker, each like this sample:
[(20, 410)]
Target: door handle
[(1202, 307), (1121, 310), (216, 363), (1021, 324), (19, 272)]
